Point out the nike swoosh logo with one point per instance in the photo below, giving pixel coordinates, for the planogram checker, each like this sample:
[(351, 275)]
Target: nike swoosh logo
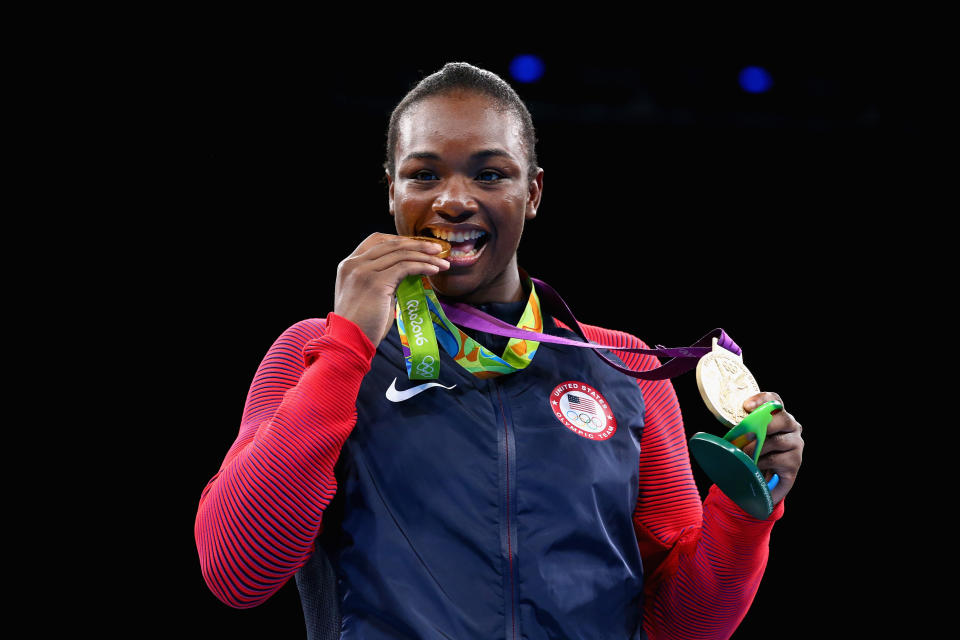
[(395, 395)]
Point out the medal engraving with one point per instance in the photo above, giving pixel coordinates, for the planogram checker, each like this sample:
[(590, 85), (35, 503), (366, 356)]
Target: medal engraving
[(724, 384)]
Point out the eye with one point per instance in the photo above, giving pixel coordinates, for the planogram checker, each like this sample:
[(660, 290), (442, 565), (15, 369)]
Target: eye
[(425, 174), (489, 175)]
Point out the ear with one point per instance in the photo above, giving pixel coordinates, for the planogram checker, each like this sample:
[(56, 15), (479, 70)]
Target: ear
[(534, 194), (390, 192)]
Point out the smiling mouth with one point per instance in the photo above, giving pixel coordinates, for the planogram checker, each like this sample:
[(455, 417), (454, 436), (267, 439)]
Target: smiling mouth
[(465, 245)]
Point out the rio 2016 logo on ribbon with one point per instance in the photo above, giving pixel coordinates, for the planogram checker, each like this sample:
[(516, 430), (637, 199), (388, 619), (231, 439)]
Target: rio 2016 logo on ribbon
[(422, 340), (416, 322), (583, 410)]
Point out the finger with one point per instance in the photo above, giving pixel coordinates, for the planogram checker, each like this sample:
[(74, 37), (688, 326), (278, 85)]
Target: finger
[(385, 262), (783, 422), (372, 240), (782, 428), (383, 245), (786, 464), (396, 272), (380, 243), (780, 442), (386, 244), (758, 399)]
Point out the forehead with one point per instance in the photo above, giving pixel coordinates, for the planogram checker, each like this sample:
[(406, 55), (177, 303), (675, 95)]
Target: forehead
[(459, 122)]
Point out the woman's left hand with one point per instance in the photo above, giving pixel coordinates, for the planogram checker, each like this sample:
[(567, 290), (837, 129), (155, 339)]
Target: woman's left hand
[(783, 450)]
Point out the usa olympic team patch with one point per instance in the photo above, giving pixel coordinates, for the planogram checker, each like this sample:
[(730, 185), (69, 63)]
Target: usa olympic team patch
[(583, 410)]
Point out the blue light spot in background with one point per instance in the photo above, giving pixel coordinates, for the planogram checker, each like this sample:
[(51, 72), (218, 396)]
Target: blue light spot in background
[(526, 68), (755, 80)]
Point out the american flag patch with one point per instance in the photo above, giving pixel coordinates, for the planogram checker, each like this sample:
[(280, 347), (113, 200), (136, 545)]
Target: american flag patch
[(582, 403)]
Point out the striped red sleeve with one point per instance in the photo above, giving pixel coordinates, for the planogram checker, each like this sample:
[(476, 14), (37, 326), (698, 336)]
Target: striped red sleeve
[(260, 514), (702, 563)]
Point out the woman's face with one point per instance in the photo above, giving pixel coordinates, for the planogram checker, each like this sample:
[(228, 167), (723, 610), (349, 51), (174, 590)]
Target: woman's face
[(461, 176)]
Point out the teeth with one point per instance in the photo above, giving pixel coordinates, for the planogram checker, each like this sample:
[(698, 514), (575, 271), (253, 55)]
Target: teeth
[(457, 236)]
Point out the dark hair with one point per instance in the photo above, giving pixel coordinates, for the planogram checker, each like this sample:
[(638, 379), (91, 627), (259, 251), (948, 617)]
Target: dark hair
[(461, 76)]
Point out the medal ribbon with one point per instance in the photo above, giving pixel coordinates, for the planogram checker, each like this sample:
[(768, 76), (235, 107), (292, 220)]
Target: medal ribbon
[(423, 326), (420, 348), (682, 359)]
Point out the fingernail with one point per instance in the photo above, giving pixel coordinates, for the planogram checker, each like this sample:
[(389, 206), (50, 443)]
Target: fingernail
[(446, 264)]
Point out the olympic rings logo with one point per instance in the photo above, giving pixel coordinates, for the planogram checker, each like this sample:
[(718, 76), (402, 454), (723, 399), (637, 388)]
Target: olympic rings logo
[(425, 367), (585, 420)]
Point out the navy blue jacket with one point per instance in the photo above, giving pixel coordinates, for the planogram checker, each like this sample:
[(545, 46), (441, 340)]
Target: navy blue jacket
[(477, 512)]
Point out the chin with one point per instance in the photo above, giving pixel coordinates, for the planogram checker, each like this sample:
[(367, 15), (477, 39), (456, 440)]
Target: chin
[(483, 281), (455, 286)]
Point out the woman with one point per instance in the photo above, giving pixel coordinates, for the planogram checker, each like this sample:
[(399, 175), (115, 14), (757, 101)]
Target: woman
[(470, 507)]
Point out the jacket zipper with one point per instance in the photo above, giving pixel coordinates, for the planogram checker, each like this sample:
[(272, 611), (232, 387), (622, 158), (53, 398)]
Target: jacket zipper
[(508, 502)]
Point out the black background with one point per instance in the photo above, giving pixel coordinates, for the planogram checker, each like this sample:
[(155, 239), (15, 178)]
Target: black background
[(673, 203)]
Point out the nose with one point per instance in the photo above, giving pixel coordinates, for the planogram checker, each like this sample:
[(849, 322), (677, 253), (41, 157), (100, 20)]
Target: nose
[(456, 199)]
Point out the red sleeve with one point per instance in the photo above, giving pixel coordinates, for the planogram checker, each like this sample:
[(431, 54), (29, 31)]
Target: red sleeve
[(702, 563), (260, 514)]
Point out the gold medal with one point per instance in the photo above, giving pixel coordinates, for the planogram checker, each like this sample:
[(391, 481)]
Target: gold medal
[(724, 384), (444, 245)]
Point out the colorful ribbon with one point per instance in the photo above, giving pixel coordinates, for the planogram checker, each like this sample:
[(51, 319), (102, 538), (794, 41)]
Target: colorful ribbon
[(416, 299), (416, 293)]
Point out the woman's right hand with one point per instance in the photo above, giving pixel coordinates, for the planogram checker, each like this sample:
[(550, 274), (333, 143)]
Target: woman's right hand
[(368, 278)]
